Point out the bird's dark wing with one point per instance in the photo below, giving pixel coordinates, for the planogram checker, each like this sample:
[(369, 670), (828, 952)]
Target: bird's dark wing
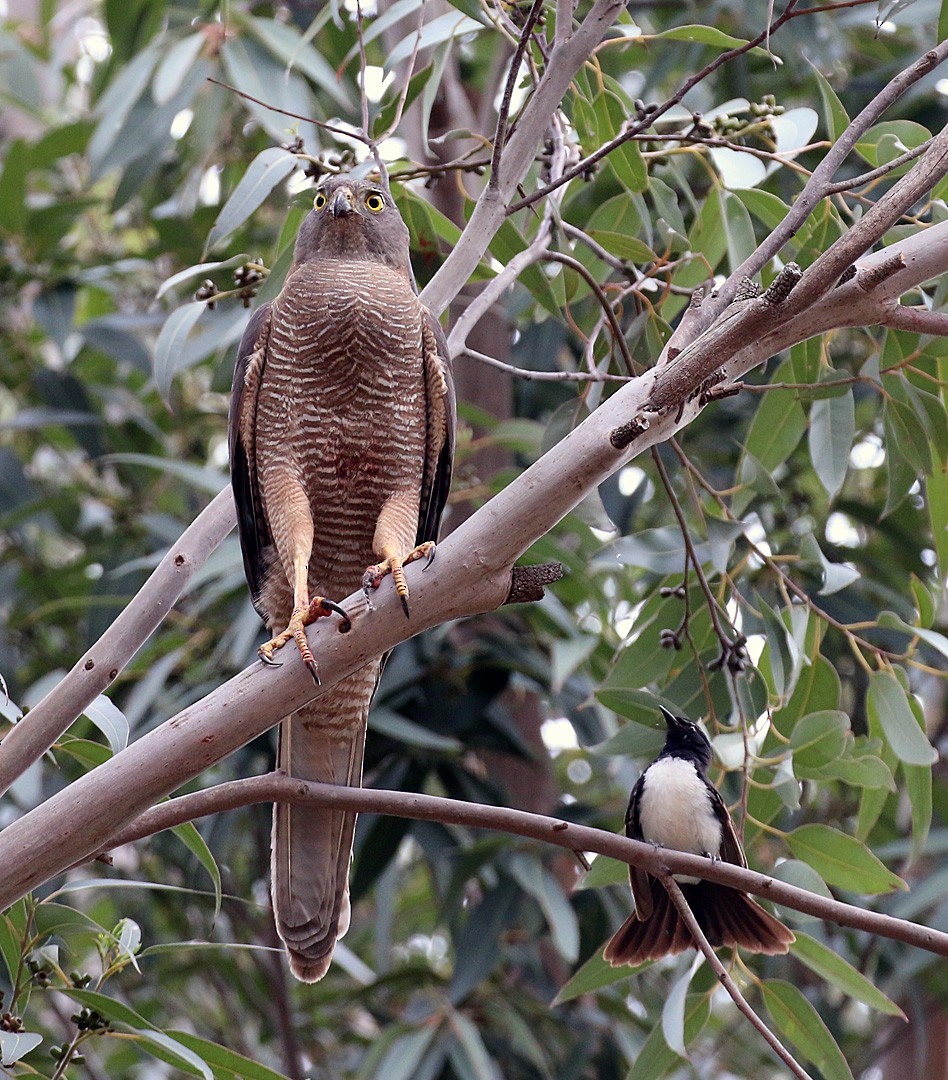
[(440, 411), (638, 878), (251, 522), (731, 850)]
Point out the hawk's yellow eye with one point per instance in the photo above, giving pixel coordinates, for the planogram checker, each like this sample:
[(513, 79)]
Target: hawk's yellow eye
[(374, 203), (320, 201)]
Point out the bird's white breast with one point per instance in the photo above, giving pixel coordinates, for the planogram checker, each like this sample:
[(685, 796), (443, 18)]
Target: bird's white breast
[(675, 810)]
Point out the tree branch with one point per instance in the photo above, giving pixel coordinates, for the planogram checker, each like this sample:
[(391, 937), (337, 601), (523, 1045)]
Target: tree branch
[(100, 666), (491, 208), (677, 898), (278, 787)]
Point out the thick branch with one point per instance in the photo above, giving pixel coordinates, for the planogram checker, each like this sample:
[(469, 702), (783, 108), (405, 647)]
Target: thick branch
[(277, 787)]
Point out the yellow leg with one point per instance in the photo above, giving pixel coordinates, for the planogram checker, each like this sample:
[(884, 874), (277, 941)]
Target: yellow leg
[(305, 611), (392, 564)]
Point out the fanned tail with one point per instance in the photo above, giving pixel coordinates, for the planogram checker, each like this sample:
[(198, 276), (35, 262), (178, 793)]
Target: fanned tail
[(727, 917), (312, 846)]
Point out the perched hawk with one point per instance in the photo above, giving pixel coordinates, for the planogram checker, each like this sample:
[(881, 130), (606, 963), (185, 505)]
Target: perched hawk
[(341, 443)]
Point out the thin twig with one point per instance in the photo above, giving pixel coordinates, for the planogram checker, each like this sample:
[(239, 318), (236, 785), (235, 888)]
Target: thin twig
[(503, 114), (349, 133), (727, 645), (877, 174), (617, 335), (687, 915), (542, 376)]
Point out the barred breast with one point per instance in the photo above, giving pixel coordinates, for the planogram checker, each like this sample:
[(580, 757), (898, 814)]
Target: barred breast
[(341, 410)]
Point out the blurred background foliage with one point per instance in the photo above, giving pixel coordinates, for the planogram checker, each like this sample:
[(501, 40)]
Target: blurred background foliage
[(813, 509)]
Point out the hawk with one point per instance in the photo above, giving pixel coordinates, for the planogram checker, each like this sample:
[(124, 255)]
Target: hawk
[(341, 443)]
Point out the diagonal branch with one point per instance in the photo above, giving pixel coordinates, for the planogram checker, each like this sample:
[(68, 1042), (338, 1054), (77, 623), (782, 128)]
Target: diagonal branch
[(99, 667), (677, 898)]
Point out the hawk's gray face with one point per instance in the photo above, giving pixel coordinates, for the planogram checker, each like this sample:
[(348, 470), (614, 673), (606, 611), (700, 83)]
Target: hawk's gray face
[(353, 219)]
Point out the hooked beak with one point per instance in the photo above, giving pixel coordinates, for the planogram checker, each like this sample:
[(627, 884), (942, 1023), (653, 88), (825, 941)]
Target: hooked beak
[(341, 205)]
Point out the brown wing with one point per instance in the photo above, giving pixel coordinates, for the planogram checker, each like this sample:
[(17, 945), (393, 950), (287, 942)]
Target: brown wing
[(638, 878), (251, 524), (731, 850), (440, 407)]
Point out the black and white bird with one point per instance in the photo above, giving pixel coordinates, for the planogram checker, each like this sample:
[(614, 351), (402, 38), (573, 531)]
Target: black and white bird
[(675, 805)]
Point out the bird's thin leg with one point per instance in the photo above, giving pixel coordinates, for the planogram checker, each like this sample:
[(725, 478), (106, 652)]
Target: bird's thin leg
[(393, 537), (305, 611)]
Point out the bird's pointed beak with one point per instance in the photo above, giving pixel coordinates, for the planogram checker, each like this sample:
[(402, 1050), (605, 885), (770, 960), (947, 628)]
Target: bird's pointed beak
[(341, 205), (671, 721)]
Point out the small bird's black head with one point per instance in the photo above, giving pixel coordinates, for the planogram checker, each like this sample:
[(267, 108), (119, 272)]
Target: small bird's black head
[(353, 219), (685, 740)]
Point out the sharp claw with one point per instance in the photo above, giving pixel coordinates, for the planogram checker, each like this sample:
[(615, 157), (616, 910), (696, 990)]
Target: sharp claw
[(430, 559), (313, 670), (404, 600), (269, 661), (332, 606)]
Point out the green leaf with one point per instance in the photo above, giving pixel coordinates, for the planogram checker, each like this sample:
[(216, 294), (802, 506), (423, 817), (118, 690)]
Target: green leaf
[(886, 141), (918, 784), (835, 970), (443, 28), (938, 642), (624, 247), (170, 344), (188, 834), (395, 726), (162, 1045), (219, 1057), (537, 882), (655, 1059), (9, 948), (199, 270), (604, 871), (626, 159), (834, 114), (16, 165), (776, 429), (593, 975), (269, 168), (936, 496), (174, 66), (701, 35), (768, 208), (796, 1018), (832, 430), (818, 738), (286, 43), (842, 860), (469, 1038), (890, 704), (738, 229)]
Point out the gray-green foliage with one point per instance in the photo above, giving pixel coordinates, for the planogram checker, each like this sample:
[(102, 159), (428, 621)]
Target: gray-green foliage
[(127, 176)]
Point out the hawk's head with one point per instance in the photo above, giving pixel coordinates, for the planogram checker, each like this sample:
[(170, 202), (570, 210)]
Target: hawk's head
[(353, 219)]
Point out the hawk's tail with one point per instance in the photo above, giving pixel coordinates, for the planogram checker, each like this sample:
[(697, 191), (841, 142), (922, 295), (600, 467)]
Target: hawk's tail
[(728, 918), (312, 846)]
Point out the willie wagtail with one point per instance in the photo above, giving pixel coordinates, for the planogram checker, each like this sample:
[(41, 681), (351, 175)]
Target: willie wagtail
[(675, 805)]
